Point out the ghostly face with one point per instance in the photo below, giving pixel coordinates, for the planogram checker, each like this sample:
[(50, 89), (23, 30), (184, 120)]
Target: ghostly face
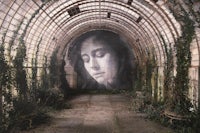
[(100, 61)]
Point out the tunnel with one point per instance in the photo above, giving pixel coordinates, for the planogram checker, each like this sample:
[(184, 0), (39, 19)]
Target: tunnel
[(54, 50)]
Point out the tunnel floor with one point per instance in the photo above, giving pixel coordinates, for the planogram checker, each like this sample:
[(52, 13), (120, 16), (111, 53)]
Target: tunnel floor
[(100, 114)]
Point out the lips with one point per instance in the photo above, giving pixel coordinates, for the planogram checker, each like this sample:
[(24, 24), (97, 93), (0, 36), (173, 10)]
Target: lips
[(98, 75)]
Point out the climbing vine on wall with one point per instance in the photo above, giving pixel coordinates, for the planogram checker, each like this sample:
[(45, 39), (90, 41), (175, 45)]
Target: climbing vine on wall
[(44, 76), (53, 69), (16, 107), (18, 62), (20, 73), (150, 67), (168, 71), (64, 84), (12, 41), (139, 82), (180, 102), (34, 79), (3, 81), (194, 12)]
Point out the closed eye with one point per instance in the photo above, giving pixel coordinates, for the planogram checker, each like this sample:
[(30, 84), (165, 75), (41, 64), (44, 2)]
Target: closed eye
[(85, 58), (100, 53)]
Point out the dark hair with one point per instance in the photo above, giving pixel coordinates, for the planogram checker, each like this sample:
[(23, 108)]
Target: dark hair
[(115, 42)]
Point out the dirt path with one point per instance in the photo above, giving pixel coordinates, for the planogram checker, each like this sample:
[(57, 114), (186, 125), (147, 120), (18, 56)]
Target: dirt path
[(100, 114)]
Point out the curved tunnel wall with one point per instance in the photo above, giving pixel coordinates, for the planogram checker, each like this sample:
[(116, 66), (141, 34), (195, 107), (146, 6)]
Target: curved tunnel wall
[(54, 24)]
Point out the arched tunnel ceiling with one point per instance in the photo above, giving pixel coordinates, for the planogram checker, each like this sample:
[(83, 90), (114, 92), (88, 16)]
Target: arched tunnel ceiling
[(55, 23)]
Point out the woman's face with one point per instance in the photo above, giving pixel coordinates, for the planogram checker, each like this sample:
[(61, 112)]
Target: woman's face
[(100, 61)]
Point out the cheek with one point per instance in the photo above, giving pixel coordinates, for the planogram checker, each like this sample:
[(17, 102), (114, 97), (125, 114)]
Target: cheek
[(110, 68), (112, 65), (86, 65), (104, 62), (109, 62)]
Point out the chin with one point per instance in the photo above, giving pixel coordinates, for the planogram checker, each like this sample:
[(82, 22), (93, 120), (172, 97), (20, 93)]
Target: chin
[(100, 80)]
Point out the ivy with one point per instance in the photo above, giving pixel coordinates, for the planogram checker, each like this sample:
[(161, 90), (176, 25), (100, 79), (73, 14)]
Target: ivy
[(2, 78), (139, 82), (3, 66), (34, 81), (5, 89), (47, 1), (193, 12), (44, 76), (11, 42), (30, 20), (168, 71), (53, 69), (64, 84), (150, 66), (20, 73), (180, 102), (18, 62)]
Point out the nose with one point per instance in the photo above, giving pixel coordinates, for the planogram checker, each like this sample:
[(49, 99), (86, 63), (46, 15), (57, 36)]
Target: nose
[(94, 64)]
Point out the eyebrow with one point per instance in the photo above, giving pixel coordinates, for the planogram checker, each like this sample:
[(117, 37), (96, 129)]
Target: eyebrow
[(98, 49), (94, 51)]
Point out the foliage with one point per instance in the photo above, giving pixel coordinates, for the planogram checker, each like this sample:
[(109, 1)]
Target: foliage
[(33, 78), (53, 98), (26, 115), (150, 66), (180, 102), (194, 123), (30, 20), (49, 93), (20, 73), (176, 89), (25, 112), (168, 72), (139, 75), (64, 84), (18, 62), (195, 13), (34, 81), (44, 76), (3, 68), (5, 88), (53, 69), (11, 42), (46, 1)]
